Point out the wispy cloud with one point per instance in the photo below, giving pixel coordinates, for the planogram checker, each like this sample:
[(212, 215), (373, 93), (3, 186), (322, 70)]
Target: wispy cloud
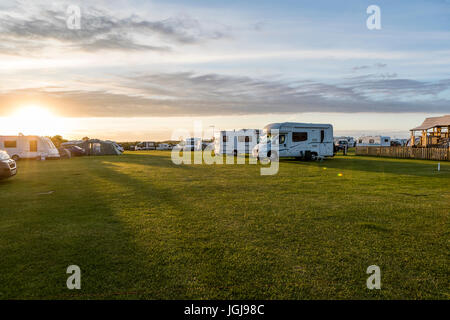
[(189, 94), (24, 29)]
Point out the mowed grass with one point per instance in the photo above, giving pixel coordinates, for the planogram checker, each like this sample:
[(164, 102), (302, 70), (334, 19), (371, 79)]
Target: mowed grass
[(141, 227)]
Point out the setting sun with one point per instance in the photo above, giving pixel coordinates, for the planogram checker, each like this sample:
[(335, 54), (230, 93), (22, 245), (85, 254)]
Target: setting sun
[(32, 120)]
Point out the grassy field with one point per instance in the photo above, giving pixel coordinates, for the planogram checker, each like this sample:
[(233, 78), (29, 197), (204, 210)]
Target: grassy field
[(141, 227)]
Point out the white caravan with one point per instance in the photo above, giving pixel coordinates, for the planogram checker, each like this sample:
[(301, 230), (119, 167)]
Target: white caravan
[(28, 147), (307, 141), (236, 142), (374, 141), (146, 145)]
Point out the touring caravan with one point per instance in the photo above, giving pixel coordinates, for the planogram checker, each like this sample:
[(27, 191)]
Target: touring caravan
[(374, 141), (307, 141), (28, 147), (236, 142)]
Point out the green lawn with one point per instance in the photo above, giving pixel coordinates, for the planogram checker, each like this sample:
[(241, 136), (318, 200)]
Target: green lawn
[(141, 227)]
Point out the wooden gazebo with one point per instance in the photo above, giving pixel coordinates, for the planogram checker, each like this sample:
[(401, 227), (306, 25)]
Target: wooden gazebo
[(435, 131)]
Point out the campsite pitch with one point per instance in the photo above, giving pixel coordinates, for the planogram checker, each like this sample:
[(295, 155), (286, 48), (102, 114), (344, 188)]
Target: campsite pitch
[(140, 227)]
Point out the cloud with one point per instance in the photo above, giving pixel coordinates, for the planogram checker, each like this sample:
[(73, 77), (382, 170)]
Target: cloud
[(376, 65), (190, 94), (22, 29), (380, 65), (360, 68)]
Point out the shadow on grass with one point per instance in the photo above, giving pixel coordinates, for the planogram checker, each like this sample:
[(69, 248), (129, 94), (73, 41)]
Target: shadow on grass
[(40, 240), (6, 181), (165, 161), (381, 165), (186, 252)]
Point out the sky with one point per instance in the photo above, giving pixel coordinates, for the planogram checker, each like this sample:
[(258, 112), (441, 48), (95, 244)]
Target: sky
[(139, 70)]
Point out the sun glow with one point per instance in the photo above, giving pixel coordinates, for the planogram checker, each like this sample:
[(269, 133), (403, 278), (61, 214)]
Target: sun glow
[(32, 120)]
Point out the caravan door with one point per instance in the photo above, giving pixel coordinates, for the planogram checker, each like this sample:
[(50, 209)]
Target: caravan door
[(283, 144), (299, 142), (324, 148)]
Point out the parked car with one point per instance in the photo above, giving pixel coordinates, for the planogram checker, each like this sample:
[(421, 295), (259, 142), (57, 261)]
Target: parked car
[(164, 146), (341, 145), (8, 167), (76, 151)]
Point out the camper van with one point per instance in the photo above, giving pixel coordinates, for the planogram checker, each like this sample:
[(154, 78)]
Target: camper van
[(374, 141), (308, 141), (236, 142), (146, 145), (28, 147)]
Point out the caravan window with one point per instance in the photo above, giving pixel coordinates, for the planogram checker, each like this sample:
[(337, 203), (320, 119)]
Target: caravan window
[(245, 139), (322, 135), (299, 136), (282, 139), (225, 138), (33, 146), (386, 140), (11, 144), (371, 141), (360, 141)]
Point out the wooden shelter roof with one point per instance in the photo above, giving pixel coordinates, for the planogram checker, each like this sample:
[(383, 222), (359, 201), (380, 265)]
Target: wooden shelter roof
[(433, 122)]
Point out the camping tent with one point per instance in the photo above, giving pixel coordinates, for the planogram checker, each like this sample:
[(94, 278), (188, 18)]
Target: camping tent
[(96, 147)]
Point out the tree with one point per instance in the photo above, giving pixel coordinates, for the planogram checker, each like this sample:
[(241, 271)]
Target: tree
[(58, 140), (85, 139)]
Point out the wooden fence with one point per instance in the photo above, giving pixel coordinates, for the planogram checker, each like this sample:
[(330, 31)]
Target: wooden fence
[(442, 154)]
